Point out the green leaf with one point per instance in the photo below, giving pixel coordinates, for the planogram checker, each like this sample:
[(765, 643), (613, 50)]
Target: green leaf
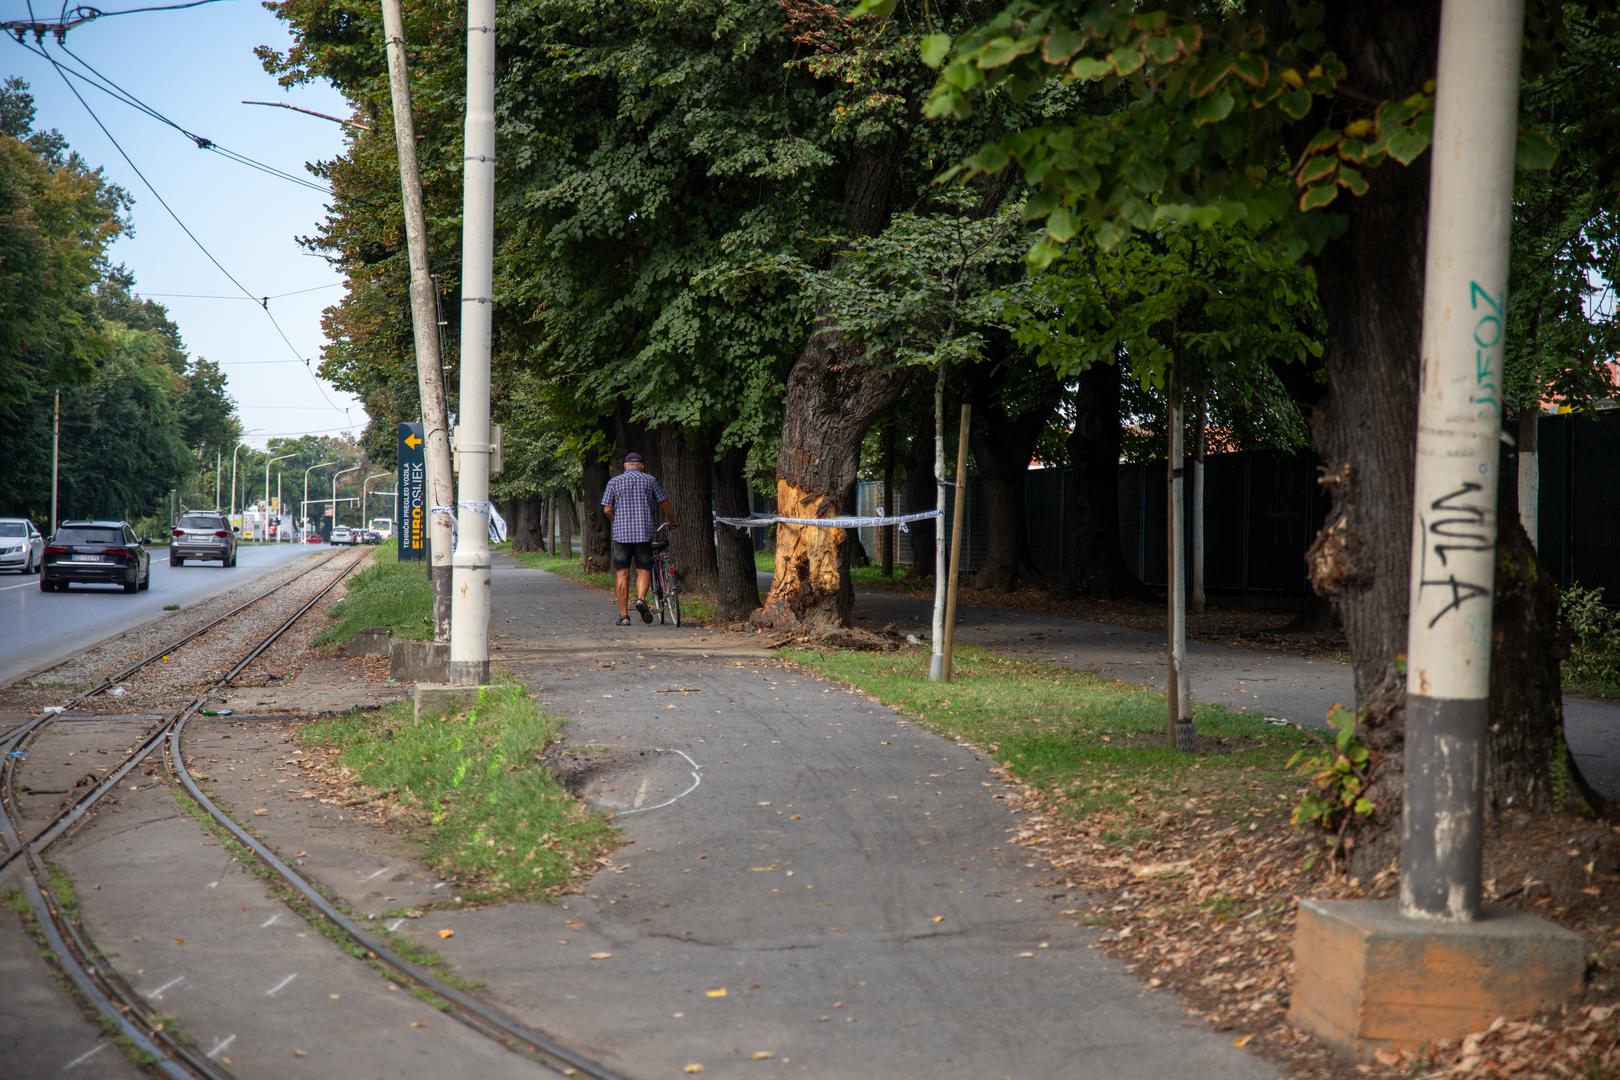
[(1352, 179), (1364, 806), (1318, 197), (1061, 224), (934, 48), (963, 75), (1212, 109), (1125, 61), (1295, 104), (1353, 150), (1533, 150), (1251, 69), (1109, 235), (991, 158), (1042, 254), (1317, 169), (1162, 49), (1088, 67), (1061, 44), (1001, 51), (1405, 144)]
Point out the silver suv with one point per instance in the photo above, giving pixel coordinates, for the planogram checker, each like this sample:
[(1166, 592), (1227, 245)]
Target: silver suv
[(202, 534)]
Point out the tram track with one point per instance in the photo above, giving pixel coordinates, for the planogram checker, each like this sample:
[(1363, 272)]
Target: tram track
[(100, 984)]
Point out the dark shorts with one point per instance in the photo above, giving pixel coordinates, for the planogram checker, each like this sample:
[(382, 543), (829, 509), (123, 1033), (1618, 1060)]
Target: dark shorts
[(628, 555)]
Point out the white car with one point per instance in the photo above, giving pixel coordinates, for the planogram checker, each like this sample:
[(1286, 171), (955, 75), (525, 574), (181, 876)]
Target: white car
[(22, 548), (342, 535)]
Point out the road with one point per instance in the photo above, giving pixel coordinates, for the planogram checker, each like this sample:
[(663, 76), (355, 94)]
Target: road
[(38, 629)]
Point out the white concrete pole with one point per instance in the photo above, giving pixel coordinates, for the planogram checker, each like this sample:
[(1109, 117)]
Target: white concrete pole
[(219, 473), (1459, 421), (1180, 714), (1530, 472), (281, 508), (56, 457), (936, 661), (232, 512), (424, 329), (469, 598)]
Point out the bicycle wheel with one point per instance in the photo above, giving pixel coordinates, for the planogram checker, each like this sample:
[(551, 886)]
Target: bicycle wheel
[(659, 589), (674, 594)]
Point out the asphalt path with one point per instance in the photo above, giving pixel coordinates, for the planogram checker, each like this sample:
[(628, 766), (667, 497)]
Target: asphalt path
[(40, 629)]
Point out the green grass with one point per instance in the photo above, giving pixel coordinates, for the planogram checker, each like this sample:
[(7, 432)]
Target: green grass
[(491, 814), (698, 609), (902, 580), (387, 593), (1088, 744), (15, 900)]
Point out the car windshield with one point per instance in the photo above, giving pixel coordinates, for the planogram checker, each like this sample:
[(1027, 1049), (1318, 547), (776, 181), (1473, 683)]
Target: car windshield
[(89, 536), (13, 528), (201, 521)]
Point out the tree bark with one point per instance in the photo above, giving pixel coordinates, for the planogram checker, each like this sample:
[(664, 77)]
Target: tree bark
[(525, 528), (920, 495), (570, 525), (682, 464), (1093, 565), (831, 401), (595, 541), (1003, 443), (737, 590), (888, 538)]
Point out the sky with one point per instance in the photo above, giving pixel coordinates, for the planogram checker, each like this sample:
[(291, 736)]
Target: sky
[(196, 67)]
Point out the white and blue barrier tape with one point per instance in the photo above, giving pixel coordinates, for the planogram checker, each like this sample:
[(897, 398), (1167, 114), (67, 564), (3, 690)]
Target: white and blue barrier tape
[(756, 521)]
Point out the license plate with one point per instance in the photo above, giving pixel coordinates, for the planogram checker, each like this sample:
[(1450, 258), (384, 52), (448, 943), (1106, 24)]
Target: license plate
[(89, 558)]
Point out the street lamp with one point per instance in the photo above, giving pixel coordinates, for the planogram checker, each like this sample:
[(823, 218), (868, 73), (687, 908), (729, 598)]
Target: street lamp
[(365, 521), (267, 463), (340, 472), (303, 517), (232, 512)]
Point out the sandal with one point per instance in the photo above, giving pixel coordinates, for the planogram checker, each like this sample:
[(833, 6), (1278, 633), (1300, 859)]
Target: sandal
[(622, 620)]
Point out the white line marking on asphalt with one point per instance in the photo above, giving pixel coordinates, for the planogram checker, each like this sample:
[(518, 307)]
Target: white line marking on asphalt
[(82, 1058), (697, 779), (395, 925), (221, 1046), (270, 920), (378, 874), (8, 588), (157, 995), (280, 986)]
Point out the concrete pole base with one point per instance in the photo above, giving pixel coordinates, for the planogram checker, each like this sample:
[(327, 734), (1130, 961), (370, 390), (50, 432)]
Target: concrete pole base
[(1367, 979), (469, 672), (419, 661), (438, 699)]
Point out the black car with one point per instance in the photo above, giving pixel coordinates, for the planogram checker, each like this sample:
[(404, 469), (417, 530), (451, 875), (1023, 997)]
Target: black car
[(98, 552)]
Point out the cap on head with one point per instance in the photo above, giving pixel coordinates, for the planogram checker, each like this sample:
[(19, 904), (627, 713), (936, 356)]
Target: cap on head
[(632, 456)]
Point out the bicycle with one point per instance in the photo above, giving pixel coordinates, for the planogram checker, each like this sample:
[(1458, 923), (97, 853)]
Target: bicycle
[(666, 580)]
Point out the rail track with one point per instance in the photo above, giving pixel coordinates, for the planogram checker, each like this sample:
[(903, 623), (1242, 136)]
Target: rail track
[(104, 989)]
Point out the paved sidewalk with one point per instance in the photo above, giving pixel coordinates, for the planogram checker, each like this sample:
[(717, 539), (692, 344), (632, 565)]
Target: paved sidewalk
[(845, 878), (1261, 681)]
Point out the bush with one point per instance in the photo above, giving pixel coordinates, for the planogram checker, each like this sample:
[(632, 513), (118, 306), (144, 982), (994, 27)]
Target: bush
[(1594, 637)]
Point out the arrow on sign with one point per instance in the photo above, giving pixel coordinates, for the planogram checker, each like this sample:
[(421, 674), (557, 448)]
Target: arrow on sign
[(412, 441)]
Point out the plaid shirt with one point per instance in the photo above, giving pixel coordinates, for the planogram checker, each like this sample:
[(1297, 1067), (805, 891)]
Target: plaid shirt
[(632, 495)]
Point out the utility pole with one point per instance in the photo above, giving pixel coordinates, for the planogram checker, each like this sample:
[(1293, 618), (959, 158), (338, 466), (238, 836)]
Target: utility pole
[(232, 513), (936, 659), (56, 456), (219, 474), (1181, 734), (1453, 575), (424, 300), (281, 509), (469, 616), (956, 542)]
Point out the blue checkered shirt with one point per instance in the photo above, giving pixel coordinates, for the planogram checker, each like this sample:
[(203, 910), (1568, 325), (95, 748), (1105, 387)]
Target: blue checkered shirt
[(632, 495)]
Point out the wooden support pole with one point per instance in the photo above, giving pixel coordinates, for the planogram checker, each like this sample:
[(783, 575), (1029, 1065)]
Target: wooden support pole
[(956, 542)]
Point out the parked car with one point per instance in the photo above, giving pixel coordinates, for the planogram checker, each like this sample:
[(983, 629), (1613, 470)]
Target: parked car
[(22, 548), (368, 536), (96, 552), (202, 534), (341, 534)]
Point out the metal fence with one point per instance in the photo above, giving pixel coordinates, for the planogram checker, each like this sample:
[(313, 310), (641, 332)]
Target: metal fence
[(1262, 509)]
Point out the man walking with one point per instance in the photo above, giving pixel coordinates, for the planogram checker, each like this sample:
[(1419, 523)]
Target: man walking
[(628, 502)]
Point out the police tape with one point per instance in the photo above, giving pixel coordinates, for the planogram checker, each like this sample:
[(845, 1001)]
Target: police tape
[(756, 521)]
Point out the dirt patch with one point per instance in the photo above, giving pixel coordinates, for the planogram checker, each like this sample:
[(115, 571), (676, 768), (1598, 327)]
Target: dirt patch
[(1206, 909)]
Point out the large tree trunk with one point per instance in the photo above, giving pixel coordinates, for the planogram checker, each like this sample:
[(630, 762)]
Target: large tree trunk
[(682, 465), (1092, 563), (920, 495), (831, 400), (737, 592), (595, 538), (525, 528), (1003, 443), (888, 538)]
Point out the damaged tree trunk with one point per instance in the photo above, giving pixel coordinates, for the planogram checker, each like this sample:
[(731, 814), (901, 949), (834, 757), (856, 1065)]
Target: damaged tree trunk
[(1093, 565), (831, 401)]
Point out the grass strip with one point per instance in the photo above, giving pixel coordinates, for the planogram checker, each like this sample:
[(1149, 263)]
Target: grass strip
[(1088, 745), (487, 809), (387, 593)]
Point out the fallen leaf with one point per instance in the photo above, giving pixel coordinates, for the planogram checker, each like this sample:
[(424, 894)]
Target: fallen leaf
[(574, 925), (717, 992), (417, 1024), (1025, 955), (763, 1055), (601, 956), (179, 941), (936, 918), (300, 1053), (1244, 1041), (693, 1068), (261, 811), (447, 933)]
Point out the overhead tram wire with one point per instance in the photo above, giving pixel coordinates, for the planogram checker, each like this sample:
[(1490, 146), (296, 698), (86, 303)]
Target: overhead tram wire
[(262, 302)]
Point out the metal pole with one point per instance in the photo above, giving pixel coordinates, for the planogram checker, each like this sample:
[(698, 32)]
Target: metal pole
[(1181, 724), (219, 474), (1453, 572), (340, 472), (424, 305), (469, 597), (232, 513), (956, 542), (936, 659), (56, 456), (281, 507)]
